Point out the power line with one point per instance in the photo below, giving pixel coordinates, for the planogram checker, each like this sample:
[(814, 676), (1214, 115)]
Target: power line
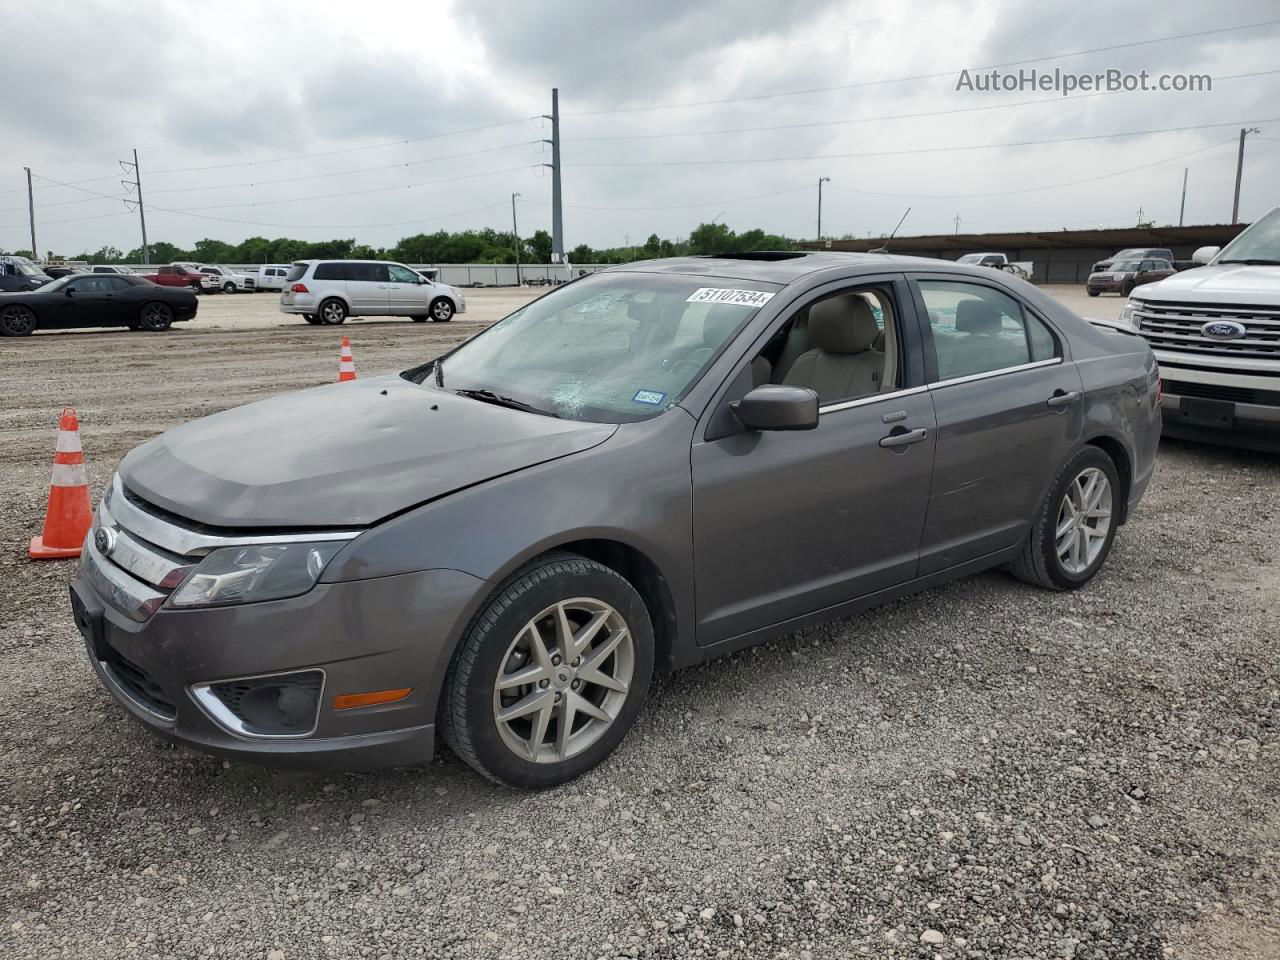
[(890, 116), (915, 150), (928, 76)]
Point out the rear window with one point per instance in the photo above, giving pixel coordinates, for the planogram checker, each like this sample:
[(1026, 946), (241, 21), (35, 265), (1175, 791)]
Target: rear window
[(369, 272), (331, 271), (296, 272)]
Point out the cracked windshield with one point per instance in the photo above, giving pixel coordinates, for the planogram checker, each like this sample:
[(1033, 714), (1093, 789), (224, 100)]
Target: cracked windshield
[(615, 348)]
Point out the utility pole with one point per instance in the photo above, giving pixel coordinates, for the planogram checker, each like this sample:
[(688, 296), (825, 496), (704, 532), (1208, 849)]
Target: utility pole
[(136, 185), (1139, 215), (957, 223), (1235, 203), (1183, 208), (516, 230), (557, 214), (31, 215), (821, 181)]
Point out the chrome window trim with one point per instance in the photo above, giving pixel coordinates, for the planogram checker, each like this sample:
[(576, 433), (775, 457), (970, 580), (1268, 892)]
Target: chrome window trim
[(987, 375), (218, 712), (190, 543), (865, 401)]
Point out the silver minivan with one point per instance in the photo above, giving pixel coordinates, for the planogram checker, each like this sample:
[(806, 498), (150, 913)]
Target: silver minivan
[(329, 291)]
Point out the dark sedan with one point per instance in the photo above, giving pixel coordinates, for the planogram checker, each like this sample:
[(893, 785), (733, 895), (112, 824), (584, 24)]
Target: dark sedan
[(95, 300), (1123, 275), (503, 544)]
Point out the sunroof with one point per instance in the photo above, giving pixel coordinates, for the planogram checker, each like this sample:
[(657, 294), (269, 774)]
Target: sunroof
[(758, 255)]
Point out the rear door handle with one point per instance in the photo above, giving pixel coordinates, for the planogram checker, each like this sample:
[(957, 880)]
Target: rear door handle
[(1062, 399), (904, 439)]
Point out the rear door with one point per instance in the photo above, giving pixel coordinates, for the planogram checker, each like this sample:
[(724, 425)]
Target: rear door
[(367, 289), (1008, 404), (408, 295)]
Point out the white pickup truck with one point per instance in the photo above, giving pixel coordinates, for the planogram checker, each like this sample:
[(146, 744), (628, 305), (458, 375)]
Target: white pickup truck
[(999, 261), (1215, 331), (228, 280)]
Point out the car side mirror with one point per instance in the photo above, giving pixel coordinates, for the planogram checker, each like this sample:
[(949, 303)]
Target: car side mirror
[(1205, 254), (776, 407)]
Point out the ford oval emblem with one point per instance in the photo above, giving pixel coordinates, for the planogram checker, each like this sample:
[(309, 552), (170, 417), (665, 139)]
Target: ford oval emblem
[(105, 541), (1223, 329)]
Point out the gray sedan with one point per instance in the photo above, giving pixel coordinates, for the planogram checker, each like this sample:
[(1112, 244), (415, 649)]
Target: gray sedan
[(646, 468)]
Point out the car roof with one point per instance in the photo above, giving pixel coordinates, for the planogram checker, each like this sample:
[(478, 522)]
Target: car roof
[(790, 266)]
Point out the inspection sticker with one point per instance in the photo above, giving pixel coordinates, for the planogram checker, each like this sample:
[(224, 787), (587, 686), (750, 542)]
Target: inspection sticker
[(651, 397), (740, 298)]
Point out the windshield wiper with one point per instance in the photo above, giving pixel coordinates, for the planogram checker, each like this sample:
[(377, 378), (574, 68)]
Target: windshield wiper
[(1254, 262), (488, 396)]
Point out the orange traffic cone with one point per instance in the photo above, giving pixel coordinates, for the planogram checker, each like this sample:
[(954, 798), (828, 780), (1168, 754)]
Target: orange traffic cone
[(70, 514), (346, 365)]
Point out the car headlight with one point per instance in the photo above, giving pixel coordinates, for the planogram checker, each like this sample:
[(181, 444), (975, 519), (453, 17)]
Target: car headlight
[(1127, 311), (267, 571)]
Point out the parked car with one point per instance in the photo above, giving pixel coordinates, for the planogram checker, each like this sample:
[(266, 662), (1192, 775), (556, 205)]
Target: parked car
[(1216, 332), (228, 281), (90, 300), (209, 283), (20, 274), (329, 291), (271, 276), (1123, 275), (502, 544), (178, 275), (57, 270), (999, 261), (1133, 253), (109, 268)]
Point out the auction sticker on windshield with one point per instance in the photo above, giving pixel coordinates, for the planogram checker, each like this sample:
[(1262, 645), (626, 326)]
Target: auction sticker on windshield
[(741, 298)]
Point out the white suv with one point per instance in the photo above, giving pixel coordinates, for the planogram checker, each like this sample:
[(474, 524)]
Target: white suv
[(329, 291)]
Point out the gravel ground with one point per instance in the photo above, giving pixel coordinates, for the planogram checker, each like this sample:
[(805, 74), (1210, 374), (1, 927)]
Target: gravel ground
[(984, 770)]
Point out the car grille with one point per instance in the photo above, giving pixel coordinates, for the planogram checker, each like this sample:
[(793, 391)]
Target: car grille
[(139, 685), (1177, 327), (1214, 391)]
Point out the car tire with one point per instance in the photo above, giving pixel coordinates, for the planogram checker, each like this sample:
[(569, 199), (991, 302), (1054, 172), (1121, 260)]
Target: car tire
[(17, 321), (228, 287), (1093, 293), (155, 316), (442, 310), (332, 312), (1065, 550), (567, 680)]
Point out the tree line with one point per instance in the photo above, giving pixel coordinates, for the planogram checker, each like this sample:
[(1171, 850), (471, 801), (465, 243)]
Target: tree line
[(466, 246)]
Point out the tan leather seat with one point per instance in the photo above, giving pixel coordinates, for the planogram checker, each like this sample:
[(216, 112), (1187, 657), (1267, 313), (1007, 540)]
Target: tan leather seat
[(841, 364)]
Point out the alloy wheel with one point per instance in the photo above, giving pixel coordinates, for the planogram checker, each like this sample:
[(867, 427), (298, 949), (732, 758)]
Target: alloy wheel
[(442, 310), (1084, 520), (563, 680), (17, 321), (156, 316)]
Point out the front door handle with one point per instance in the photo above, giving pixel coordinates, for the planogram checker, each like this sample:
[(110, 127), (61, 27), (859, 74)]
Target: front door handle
[(1061, 399), (905, 438)]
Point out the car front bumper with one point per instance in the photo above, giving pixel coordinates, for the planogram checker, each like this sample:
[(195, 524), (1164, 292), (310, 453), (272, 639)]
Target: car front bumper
[(1107, 286), (358, 636)]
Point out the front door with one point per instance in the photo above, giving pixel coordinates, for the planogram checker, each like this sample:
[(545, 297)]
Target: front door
[(789, 523), (407, 292), (1009, 410)]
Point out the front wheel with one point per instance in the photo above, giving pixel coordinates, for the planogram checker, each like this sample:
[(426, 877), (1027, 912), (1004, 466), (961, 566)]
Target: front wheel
[(155, 316), (1075, 526), (332, 311), (441, 310), (17, 321), (550, 676), (228, 287), (1093, 293)]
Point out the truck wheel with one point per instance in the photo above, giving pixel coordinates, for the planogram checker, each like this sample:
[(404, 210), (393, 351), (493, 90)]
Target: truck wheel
[(441, 309), (332, 311), (155, 316), (550, 675), (1072, 533), (228, 287), (1093, 293), (17, 321)]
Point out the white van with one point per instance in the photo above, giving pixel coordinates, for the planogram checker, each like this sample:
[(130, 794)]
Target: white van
[(328, 291)]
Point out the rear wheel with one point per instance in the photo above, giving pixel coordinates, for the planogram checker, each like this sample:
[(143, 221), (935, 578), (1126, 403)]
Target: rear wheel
[(1076, 525), (550, 676), (155, 316), (17, 321), (333, 311), (441, 310)]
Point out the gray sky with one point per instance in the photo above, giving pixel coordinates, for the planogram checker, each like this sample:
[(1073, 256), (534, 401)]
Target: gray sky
[(220, 101)]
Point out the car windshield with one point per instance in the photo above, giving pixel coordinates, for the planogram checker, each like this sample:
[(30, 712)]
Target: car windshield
[(1127, 254), (28, 269), (1260, 243), (1125, 266), (971, 258), (615, 347)]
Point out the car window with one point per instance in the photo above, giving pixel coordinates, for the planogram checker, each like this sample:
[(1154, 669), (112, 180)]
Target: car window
[(330, 271), (977, 329), (296, 272), (367, 272), (401, 274)]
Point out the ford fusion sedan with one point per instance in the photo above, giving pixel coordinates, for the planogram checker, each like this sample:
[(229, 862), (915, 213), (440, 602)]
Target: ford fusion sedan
[(643, 469), (95, 300)]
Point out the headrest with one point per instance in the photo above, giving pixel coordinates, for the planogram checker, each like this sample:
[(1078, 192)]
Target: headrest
[(842, 324), (718, 323), (977, 316)]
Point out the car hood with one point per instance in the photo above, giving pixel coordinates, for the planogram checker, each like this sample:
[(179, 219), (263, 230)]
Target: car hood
[(344, 455), (1225, 283)]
